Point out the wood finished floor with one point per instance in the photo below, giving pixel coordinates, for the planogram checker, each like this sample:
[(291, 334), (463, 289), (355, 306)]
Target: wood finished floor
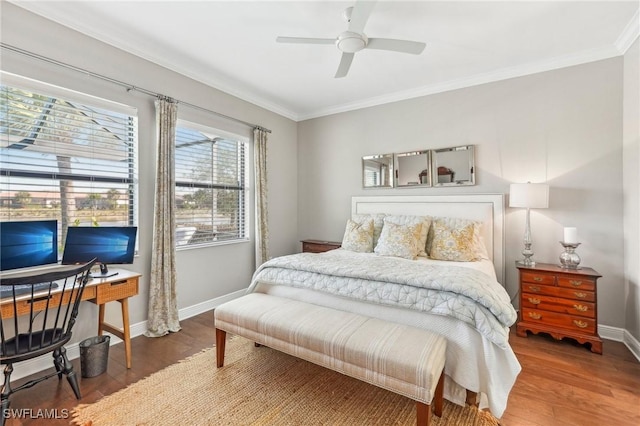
[(561, 383)]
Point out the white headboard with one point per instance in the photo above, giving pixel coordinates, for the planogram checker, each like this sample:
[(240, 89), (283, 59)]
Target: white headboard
[(487, 208)]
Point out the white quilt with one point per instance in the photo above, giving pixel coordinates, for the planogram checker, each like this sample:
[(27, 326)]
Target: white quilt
[(474, 316), (462, 293)]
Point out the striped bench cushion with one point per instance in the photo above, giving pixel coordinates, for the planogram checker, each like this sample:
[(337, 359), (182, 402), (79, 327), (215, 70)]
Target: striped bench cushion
[(400, 358)]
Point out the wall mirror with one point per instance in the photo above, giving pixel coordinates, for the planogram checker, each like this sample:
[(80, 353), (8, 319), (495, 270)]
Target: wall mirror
[(453, 166), (377, 171), (412, 169)]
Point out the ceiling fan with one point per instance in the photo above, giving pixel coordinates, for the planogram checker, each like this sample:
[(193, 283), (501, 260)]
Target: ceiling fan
[(353, 40)]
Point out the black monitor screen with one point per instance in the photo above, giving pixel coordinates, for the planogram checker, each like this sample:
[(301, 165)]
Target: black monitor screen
[(28, 243), (108, 244)]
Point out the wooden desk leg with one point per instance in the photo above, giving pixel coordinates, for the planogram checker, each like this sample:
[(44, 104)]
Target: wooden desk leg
[(100, 319), (126, 331)]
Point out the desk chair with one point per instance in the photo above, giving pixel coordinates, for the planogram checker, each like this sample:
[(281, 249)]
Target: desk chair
[(27, 332)]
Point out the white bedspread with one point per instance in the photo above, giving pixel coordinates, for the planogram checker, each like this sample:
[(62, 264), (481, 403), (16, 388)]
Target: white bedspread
[(462, 293), (460, 302)]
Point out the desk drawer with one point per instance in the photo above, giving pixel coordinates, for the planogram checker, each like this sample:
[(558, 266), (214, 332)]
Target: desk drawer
[(116, 290)]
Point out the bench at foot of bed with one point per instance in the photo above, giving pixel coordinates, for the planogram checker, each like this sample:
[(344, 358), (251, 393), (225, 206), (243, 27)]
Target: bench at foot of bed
[(400, 358)]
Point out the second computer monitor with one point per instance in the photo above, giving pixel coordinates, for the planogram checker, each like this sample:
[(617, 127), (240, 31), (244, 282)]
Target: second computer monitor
[(108, 244)]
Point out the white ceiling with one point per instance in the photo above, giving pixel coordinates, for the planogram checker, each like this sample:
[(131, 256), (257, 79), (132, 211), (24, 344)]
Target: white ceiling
[(231, 45)]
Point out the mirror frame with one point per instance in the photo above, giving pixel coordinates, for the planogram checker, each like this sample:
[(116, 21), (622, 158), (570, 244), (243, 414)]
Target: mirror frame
[(384, 159), (421, 172), (467, 161)]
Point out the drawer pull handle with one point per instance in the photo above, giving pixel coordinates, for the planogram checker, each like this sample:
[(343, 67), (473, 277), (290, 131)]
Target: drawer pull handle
[(534, 288), (537, 279), (580, 324), (580, 294), (534, 301), (535, 315), (581, 308), (575, 283)]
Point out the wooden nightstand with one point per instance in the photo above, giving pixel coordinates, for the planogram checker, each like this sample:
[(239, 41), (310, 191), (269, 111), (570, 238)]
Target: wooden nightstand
[(561, 302), (317, 246)]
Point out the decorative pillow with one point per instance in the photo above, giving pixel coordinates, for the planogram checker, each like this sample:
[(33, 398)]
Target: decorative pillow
[(399, 240), (358, 236), (412, 220), (378, 222), (479, 247), (453, 243)]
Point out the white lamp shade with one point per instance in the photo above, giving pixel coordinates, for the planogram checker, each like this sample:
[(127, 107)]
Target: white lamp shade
[(529, 195)]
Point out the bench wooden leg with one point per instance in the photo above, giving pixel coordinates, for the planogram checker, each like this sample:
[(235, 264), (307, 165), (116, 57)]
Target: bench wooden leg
[(424, 413), (438, 398), (221, 339)]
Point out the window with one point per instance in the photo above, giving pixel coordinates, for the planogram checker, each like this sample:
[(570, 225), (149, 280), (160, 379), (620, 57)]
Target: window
[(211, 186), (66, 156)]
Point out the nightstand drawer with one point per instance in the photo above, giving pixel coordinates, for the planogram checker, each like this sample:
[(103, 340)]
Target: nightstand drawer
[(559, 305), (544, 279), (116, 290), (585, 325), (587, 296), (577, 283)]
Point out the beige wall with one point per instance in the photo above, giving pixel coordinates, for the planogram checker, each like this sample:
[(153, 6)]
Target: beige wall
[(203, 274), (631, 179), (563, 126)]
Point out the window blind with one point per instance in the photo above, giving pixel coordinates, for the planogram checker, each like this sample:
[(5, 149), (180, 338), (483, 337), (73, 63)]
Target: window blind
[(65, 157), (211, 186)]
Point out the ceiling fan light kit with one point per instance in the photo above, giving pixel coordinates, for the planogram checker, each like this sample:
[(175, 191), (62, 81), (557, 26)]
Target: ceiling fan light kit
[(353, 40)]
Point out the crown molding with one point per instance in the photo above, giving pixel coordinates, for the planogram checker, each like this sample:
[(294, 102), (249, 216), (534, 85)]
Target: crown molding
[(629, 35)]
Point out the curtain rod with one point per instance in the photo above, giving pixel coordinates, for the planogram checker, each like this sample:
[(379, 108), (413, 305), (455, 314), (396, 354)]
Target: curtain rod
[(127, 86)]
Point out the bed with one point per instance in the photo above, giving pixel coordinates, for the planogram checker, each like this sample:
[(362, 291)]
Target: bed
[(459, 298)]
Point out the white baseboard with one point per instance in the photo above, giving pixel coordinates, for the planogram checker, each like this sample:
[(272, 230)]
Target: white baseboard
[(633, 344), (44, 362), (620, 335)]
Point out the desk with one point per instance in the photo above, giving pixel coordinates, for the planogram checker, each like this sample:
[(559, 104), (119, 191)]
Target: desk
[(117, 288)]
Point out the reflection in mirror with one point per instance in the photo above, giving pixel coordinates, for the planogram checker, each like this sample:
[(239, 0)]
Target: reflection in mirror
[(453, 166), (412, 169), (377, 171)]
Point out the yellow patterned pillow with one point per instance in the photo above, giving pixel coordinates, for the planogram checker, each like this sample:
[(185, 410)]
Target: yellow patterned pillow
[(399, 240), (412, 220), (453, 243), (358, 236)]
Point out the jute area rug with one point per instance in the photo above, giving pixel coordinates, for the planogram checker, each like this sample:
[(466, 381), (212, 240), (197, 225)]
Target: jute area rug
[(259, 386)]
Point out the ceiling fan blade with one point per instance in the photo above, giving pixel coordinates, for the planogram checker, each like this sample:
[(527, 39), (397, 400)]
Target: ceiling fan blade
[(305, 40), (405, 46), (360, 14), (345, 64)]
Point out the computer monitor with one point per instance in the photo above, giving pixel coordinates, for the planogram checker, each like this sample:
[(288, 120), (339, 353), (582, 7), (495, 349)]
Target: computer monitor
[(108, 244), (28, 243)]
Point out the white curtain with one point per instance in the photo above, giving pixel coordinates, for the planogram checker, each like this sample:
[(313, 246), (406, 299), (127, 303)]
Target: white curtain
[(163, 306), (262, 228)]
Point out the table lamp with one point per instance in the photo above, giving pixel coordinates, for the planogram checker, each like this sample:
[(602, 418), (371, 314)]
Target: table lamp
[(530, 196)]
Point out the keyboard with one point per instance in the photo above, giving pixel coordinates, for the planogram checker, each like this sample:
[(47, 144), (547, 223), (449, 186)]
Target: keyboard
[(6, 290)]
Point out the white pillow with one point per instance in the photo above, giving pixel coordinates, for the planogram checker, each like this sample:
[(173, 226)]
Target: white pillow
[(479, 248), (399, 240), (412, 220), (358, 236)]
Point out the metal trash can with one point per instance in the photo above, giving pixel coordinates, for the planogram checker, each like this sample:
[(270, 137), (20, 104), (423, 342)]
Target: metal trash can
[(94, 354)]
